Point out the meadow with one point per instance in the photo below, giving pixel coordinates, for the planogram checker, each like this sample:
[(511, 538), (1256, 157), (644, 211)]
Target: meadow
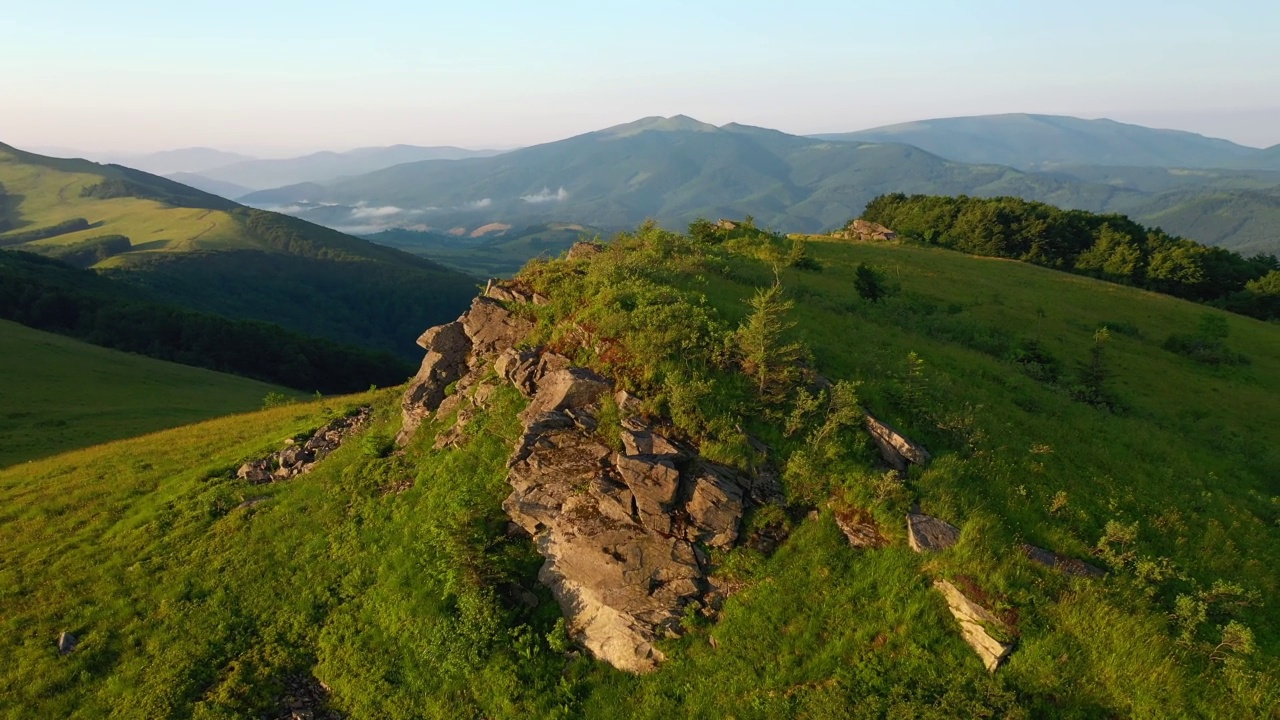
[(389, 577), (63, 394)]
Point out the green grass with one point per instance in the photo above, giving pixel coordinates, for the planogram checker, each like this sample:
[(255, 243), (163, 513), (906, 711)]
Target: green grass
[(188, 606), (61, 394)]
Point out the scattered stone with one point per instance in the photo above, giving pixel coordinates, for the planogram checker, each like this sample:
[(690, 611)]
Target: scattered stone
[(974, 623), (299, 458), (1061, 563), (67, 643), (929, 534), (256, 471), (304, 698), (859, 527), (896, 449), (639, 440)]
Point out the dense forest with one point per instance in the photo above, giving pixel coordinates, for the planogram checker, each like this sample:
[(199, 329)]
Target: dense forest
[(46, 294), (1110, 247)]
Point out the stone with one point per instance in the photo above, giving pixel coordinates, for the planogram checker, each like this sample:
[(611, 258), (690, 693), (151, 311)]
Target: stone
[(975, 622), (653, 482), (571, 388), (252, 502), (582, 250), (859, 527), (1061, 563), (256, 471), (295, 455), (67, 643), (492, 328), (929, 534), (715, 506), (896, 449), (627, 403), (448, 348), (639, 440)]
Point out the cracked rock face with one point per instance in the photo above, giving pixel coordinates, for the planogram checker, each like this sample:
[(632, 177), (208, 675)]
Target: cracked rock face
[(619, 530)]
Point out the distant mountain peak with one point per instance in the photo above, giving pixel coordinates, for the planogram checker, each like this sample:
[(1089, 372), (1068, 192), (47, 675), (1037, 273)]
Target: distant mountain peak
[(657, 123)]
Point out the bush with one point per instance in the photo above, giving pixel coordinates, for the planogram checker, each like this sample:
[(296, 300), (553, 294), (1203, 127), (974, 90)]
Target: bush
[(1207, 345)]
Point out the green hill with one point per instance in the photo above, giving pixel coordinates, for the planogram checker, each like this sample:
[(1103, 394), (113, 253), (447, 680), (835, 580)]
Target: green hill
[(1034, 142), (391, 585), (207, 253), (61, 394)]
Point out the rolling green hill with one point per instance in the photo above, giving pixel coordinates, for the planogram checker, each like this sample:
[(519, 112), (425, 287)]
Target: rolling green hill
[(1035, 142), (62, 394), (197, 250), (677, 169), (1247, 221), (390, 585)]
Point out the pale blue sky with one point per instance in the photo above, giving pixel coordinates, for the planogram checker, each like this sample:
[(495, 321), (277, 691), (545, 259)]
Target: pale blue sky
[(280, 77)]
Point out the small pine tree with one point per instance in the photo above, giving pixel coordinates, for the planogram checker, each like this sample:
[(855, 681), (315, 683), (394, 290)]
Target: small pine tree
[(868, 283), (772, 363), (1094, 374)]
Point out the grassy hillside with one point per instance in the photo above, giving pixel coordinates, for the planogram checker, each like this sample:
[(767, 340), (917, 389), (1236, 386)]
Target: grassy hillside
[(197, 250), (399, 597), (63, 394)]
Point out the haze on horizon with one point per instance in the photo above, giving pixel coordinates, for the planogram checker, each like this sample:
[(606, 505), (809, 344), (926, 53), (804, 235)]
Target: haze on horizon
[(142, 75)]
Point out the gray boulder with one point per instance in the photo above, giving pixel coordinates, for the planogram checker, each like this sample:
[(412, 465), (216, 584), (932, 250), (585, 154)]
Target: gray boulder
[(929, 534), (67, 643), (1061, 563), (896, 449)]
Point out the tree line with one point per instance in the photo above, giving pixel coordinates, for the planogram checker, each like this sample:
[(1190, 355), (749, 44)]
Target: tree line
[(1111, 247), (46, 294)]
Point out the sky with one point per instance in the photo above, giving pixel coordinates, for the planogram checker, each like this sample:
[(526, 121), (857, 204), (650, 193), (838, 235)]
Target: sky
[(276, 78)]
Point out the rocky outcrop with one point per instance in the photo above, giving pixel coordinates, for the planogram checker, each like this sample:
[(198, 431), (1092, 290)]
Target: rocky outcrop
[(866, 231), (457, 348), (619, 530), (897, 450), (976, 625), (929, 534), (584, 250), (301, 457), (1061, 563)]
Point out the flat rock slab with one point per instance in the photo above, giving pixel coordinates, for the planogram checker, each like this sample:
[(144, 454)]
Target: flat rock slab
[(1061, 563), (929, 534), (896, 449), (860, 528), (974, 623)]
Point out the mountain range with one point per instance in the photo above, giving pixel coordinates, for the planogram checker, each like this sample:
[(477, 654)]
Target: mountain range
[(1037, 142), (678, 169)]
